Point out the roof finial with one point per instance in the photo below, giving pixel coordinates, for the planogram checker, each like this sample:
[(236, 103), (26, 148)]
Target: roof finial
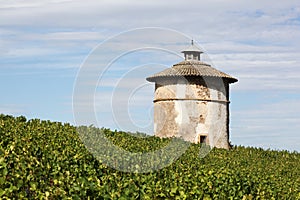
[(192, 42)]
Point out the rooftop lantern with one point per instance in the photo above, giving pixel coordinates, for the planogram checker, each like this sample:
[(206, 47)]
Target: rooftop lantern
[(192, 52)]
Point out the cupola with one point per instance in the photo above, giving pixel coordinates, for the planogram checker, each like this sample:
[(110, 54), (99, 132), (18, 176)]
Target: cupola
[(192, 52)]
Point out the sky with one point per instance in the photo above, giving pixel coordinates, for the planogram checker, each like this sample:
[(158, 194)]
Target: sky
[(85, 62)]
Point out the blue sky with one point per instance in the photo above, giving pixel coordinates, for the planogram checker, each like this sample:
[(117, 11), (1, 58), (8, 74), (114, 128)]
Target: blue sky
[(43, 45)]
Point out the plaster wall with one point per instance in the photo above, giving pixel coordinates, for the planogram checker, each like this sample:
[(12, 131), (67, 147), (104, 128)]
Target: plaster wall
[(190, 109)]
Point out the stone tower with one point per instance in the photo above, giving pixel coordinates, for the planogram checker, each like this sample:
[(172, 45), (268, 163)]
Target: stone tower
[(192, 101)]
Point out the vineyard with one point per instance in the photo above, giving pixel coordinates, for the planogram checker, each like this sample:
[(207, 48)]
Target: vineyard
[(48, 160)]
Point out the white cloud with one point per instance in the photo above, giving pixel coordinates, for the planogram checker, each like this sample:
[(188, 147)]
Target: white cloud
[(272, 125), (269, 70), (12, 109), (10, 4)]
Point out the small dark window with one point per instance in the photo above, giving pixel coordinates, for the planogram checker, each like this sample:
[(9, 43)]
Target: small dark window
[(202, 139)]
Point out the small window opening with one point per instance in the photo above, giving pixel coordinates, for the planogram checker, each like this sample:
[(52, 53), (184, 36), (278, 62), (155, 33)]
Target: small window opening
[(202, 139)]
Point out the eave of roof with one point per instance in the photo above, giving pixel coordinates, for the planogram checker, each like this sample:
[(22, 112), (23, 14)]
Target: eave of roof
[(191, 68)]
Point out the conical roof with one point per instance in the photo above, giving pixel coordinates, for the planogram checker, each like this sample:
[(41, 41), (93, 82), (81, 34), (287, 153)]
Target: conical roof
[(191, 68)]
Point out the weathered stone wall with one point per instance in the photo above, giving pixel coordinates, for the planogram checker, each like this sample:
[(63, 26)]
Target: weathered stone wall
[(192, 107)]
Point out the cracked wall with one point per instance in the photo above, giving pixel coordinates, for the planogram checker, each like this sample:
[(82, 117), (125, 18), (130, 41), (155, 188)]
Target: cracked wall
[(190, 107)]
